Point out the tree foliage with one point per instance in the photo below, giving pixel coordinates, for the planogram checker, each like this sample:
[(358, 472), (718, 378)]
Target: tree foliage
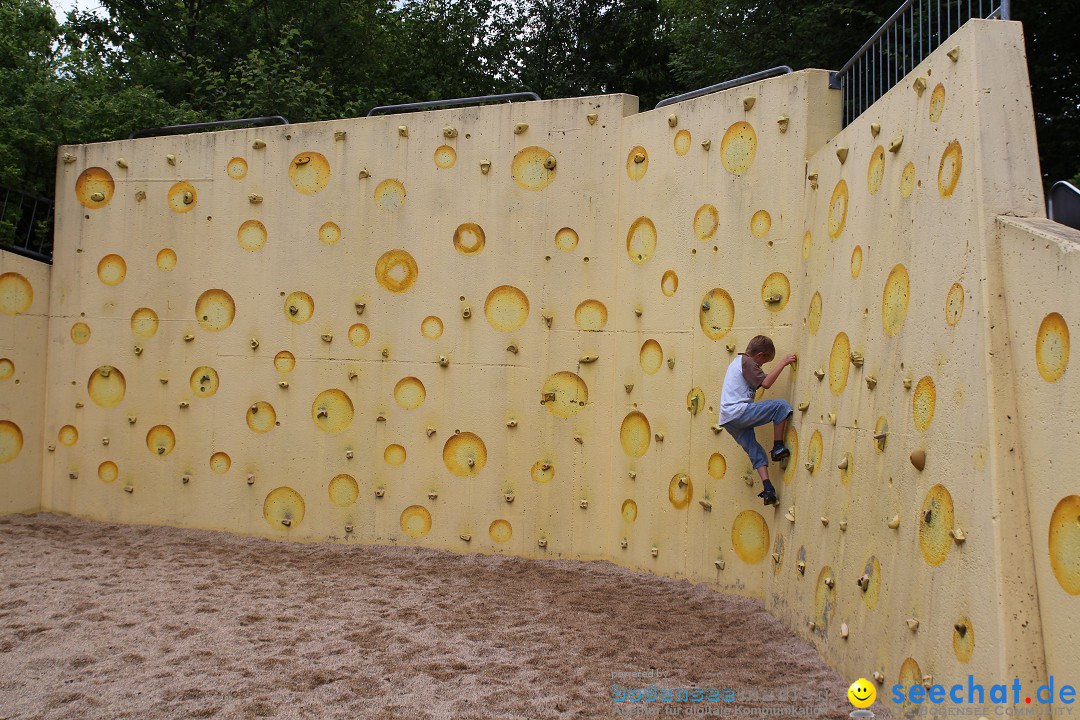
[(146, 63)]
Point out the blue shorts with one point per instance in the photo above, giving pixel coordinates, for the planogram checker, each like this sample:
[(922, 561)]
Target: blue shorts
[(756, 414)]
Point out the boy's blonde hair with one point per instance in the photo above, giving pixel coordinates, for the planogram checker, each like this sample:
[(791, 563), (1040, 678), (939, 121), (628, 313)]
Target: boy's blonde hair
[(761, 344)]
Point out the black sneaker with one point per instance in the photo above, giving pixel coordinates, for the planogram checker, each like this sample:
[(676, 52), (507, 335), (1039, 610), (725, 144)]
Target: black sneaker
[(768, 497), (779, 452)]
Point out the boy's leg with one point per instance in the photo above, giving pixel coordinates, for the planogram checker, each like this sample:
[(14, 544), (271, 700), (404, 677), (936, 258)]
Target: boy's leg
[(748, 441)]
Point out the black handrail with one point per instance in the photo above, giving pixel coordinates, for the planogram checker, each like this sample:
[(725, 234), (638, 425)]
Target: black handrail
[(173, 129), (26, 222), (454, 101), (727, 85)]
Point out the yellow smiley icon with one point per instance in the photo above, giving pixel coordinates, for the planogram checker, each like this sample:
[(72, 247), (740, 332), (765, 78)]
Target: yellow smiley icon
[(861, 693)]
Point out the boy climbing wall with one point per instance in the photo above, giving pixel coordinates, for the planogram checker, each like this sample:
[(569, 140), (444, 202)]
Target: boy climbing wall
[(739, 414)]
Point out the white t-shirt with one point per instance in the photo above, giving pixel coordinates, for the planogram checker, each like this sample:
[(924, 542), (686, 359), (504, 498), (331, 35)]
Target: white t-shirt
[(738, 392)]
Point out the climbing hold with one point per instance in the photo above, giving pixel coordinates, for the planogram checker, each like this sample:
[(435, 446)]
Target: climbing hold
[(918, 459), (364, 174), (353, 374), (809, 465), (730, 347), (403, 131), (776, 558), (790, 514), (672, 120), (894, 522), (579, 440), (51, 447), (871, 382), (131, 419), (592, 118), (432, 495), (69, 158), (843, 465), (340, 135), (655, 551), (78, 405), (379, 492), (748, 102), (360, 307), (637, 311), (138, 349), (774, 298), (907, 383), (825, 522), (960, 629), (386, 353), (841, 154), (550, 162), (706, 144), (512, 349), (705, 504), (801, 567), (183, 403), (954, 54), (163, 380), (443, 362), (812, 625), (542, 542), (639, 158), (588, 358), (121, 163), (660, 438), (857, 359), (349, 454), (632, 475), (843, 526), (73, 475), (97, 197), (140, 195), (832, 418), (819, 373), (129, 489), (430, 431), (348, 528), (843, 630), (863, 582), (485, 166), (509, 497), (258, 144), (511, 423), (255, 198), (547, 319), (254, 343), (520, 128), (878, 676), (894, 146), (919, 86), (705, 306), (465, 536), (584, 504), (283, 384), (719, 564), (875, 128), (782, 121), (912, 624), (105, 441), (958, 535), (171, 159), (250, 479), (185, 479), (380, 418), (717, 429), (189, 337), (671, 362), (804, 406), (449, 132), (829, 582), (813, 178)]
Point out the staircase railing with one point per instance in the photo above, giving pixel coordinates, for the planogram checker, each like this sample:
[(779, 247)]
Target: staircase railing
[(26, 224)]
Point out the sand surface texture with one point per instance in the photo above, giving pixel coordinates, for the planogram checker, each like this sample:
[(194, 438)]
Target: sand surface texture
[(111, 621)]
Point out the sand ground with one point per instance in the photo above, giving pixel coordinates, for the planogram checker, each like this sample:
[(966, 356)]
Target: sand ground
[(111, 621)]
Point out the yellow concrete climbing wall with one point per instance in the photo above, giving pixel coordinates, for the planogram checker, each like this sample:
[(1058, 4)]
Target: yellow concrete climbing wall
[(504, 329), (1041, 259), (903, 508), (24, 338)]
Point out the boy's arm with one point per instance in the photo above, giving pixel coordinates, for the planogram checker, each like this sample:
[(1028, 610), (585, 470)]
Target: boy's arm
[(771, 377)]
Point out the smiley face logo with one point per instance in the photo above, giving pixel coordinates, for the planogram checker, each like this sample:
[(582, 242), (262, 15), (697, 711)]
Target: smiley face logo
[(861, 693)]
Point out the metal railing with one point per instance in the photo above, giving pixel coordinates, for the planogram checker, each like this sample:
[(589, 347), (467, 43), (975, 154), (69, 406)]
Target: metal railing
[(1063, 204), (174, 129), (726, 85), (916, 29), (26, 225), (429, 104)]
